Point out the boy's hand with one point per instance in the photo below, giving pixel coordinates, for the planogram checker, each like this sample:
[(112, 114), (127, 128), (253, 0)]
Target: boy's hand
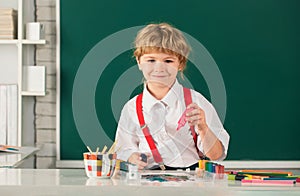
[(136, 159), (196, 117)]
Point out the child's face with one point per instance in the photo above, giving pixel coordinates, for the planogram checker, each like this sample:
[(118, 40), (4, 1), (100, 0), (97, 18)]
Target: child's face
[(159, 68)]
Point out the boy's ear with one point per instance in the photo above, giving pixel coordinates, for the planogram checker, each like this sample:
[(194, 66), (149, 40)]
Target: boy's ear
[(138, 62), (180, 68)]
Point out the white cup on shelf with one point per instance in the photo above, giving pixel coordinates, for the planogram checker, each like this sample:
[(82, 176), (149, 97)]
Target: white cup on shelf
[(34, 31)]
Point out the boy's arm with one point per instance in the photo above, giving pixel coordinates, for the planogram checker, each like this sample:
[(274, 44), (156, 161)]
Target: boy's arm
[(126, 137), (211, 145), (214, 139)]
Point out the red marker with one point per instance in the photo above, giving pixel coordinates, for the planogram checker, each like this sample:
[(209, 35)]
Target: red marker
[(182, 119)]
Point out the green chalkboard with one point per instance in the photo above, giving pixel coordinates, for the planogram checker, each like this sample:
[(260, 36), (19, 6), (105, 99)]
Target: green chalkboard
[(250, 47)]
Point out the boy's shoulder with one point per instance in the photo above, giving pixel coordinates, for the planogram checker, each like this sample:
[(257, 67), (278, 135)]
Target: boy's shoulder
[(131, 103)]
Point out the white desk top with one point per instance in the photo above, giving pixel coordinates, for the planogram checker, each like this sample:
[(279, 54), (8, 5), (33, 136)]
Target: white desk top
[(8, 159), (74, 182)]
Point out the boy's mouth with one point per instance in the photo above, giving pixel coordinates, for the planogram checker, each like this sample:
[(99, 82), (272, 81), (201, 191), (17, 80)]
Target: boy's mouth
[(159, 76)]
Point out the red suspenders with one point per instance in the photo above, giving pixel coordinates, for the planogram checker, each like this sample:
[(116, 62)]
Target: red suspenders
[(149, 138), (188, 101)]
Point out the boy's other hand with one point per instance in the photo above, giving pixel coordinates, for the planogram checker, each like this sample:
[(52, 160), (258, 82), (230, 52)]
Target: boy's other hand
[(136, 159), (196, 117)]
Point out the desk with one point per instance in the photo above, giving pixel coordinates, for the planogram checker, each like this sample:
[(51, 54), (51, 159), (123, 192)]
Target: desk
[(74, 182), (8, 159)]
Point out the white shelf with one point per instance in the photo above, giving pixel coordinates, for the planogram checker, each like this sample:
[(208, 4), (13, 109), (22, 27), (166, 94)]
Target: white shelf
[(25, 41), (20, 55), (7, 41), (28, 93)]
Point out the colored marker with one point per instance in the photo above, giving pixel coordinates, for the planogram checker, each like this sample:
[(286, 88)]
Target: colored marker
[(204, 164), (218, 169), (256, 177), (265, 174), (268, 171), (233, 172), (236, 177), (124, 166), (182, 119), (213, 168), (207, 166), (144, 157), (200, 164), (280, 178), (14, 149), (293, 176), (269, 182), (113, 165), (222, 169)]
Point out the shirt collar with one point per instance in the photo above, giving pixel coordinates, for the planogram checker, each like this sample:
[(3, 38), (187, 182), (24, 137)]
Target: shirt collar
[(170, 99)]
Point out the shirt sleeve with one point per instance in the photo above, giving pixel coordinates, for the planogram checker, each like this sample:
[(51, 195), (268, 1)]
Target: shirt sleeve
[(126, 137), (215, 125), (224, 139)]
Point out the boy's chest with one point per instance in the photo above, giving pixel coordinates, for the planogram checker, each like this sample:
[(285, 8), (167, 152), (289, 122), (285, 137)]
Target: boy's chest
[(164, 120)]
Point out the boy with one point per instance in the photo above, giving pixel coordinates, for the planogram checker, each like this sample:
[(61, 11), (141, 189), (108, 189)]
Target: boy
[(148, 123)]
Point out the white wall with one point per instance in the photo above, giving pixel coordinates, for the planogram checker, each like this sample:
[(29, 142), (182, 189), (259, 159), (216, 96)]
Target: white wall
[(8, 73), (9, 64)]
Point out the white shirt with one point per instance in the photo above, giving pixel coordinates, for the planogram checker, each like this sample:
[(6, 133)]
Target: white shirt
[(176, 148)]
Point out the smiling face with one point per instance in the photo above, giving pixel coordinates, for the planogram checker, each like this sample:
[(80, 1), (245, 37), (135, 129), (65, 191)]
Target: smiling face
[(160, 50), (159, 69)]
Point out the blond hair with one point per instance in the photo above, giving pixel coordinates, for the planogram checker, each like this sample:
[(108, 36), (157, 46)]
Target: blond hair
[(163, 38)]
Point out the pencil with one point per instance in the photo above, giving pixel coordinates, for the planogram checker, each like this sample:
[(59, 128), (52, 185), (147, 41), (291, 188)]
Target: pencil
[(112, 148), (115, 151), (89, 149), (104, 149)]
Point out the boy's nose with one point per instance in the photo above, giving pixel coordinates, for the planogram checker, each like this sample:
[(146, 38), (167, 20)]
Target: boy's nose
[(159, 66)]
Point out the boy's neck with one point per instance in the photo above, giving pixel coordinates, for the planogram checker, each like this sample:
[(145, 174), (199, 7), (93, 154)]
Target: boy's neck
[(157, 91)]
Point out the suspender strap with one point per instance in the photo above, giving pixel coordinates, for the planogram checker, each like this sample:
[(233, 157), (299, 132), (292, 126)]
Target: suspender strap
[(188, 101), (148, 136)]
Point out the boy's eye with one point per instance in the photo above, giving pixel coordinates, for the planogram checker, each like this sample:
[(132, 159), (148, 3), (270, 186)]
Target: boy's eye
[(151, 60), (169, 61)]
